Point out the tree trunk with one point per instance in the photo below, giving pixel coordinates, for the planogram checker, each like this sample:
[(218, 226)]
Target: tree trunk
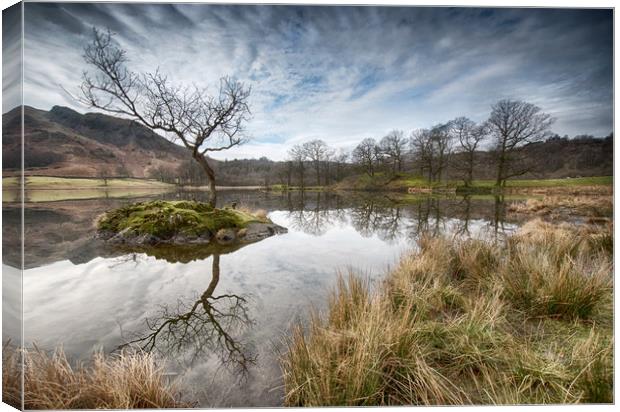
[(318, 173), (470, 170), (500, 171), (210, 177), (501, 165)]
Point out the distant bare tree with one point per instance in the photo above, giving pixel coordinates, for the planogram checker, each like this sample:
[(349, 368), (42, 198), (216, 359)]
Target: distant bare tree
[(104, 174), (366, 154), (330, 157), (316, 151), (340, 158), (441, 144), (420, 146), (298, 155), (513, 124), (285, 172), (432, 149), (393, 147), (469, 136), (203, 123)]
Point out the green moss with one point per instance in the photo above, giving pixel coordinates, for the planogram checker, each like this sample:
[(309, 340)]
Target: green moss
[(165, 219)]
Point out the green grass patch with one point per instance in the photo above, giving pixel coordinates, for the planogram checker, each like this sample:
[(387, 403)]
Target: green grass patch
[(576, 181), (54, 183), (166, 219), (404, 181)]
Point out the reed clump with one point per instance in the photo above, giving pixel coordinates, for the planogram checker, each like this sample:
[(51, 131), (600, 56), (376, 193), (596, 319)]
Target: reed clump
[(119, 381), (526, 321), (596, 206)]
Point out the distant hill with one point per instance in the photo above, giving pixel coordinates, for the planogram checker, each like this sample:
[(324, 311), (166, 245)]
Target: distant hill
[(63, 142), (555, 158)]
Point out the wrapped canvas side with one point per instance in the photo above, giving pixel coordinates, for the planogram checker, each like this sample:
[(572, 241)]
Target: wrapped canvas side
[(12, 205)]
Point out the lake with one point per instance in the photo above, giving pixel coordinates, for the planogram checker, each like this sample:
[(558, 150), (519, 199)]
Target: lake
[(218, 319)]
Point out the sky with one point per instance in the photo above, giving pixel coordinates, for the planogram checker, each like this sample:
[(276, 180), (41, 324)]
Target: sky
[(342, 74)]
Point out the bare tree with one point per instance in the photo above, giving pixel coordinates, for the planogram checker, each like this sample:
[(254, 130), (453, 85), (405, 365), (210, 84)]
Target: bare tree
[(104, 174), (441, 144), (287, 173), (366, 154), (421, 148), (316, 150), (513, 124), (330, 156), (393, 147), (340, 158), (203, 123), (469, 136), (432, 149), (298, 156)]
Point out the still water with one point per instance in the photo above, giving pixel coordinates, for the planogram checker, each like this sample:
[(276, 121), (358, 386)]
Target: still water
[(218, 320)]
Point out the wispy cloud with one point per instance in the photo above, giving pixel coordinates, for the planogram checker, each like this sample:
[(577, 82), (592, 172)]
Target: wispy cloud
[(344, 73)]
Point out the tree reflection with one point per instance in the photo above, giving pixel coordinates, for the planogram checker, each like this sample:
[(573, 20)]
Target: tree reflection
[(375, 218), (462, 227), (499, 212), (315, 215), (209, 325)]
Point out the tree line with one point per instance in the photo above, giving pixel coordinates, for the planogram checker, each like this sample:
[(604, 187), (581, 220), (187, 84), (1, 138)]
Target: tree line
[(456, 145)]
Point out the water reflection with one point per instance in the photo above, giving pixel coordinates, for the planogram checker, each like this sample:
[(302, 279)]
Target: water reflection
[(206, 326), (64, 230), (391, 218), (192, 304)]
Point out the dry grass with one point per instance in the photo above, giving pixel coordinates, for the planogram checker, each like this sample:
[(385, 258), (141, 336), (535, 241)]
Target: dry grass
[(467, 322), (259, 213), (122, 381), (561, 206)]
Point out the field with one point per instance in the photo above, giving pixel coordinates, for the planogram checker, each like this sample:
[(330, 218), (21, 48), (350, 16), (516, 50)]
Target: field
[(57, 183), (50, 189), (576, 181), (403, 182)]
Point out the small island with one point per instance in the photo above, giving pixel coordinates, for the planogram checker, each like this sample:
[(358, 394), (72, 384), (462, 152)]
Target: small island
[(182, 223)]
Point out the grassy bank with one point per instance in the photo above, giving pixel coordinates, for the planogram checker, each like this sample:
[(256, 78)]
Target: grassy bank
[(467, 322), (404, 182), (122, 381), (561, 207), (66, 183)]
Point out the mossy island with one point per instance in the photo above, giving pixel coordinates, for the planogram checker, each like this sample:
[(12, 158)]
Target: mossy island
[(183, 223)]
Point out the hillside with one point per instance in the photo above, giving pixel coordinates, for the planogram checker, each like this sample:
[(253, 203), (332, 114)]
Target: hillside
[(63, 142)]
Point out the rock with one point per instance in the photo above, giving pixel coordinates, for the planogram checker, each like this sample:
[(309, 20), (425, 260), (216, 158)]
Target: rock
[(225, 236), (146, 239), (258, 231), (252, 233)]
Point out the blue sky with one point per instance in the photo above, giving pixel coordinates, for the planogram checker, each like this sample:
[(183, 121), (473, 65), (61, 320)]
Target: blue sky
[(344, 73)]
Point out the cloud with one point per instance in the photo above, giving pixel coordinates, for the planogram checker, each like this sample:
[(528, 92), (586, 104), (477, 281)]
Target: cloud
[(344, 73)]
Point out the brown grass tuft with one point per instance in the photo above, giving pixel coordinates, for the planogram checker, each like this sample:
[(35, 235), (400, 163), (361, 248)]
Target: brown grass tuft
[(559, 206), (466, 322), (121, 381)]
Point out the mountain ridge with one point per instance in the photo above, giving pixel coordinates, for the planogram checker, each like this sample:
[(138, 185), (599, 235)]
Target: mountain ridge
[(64, 142)]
